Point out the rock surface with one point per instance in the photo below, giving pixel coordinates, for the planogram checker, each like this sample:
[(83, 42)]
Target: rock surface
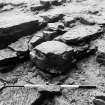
[(55, 56), (14, 54), (53, 30), (9, 59), (80, 34), (99, 99), (21, 45), (49, 33), (100, 55), (47, 55), (36, 39), (57, 34), (98, 102), (7, 54), (11, 34)]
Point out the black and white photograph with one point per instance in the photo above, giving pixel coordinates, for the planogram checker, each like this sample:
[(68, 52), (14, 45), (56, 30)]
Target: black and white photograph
[(52, 52)]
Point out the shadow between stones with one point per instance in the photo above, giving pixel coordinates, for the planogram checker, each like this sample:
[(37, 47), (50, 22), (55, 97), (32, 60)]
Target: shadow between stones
[(9, 64), (46, 98)]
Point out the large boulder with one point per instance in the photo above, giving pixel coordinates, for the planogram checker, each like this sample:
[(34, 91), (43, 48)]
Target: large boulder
[(10, 34), (56, 57), (80, 34)]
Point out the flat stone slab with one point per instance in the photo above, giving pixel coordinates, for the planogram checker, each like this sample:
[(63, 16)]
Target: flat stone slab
[(10, 58), (21, 45), (80, 34), (6, 54), (12, 33)]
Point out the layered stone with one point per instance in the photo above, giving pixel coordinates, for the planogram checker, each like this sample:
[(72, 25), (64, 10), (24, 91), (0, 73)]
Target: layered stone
[(81, 34)]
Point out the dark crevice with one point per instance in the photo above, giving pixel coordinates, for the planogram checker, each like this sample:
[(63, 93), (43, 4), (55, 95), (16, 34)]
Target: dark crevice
[(46, 98), (69, 68), (53, 19), (9, 64), (100, 97), (20, 58), (46, 6), (41, 7), (5, 69)]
